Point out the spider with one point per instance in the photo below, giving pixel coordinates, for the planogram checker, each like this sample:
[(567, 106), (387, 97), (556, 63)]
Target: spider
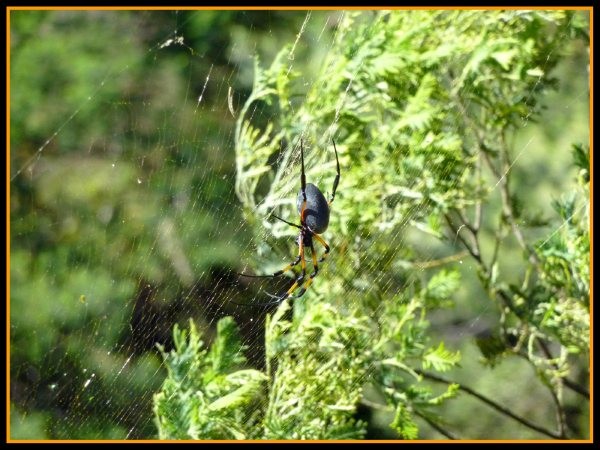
[(314, 220)]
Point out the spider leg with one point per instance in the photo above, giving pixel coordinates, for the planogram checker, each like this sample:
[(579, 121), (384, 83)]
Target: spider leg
[(277, 300), (286, 268), (295, 262), (300, 278), (275, 274), (315, 272), (285, 221), (324, 244), (312, 275), (298, 282), (337, 177), (302, 183)]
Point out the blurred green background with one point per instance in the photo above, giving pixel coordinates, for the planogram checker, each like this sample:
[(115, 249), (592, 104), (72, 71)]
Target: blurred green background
[(123, 215)]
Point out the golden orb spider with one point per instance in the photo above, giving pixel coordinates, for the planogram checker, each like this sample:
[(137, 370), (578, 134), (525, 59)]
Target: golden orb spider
[(314, 212)]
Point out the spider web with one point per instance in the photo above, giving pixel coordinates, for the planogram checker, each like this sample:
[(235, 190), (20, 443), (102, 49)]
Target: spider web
[(126, 217)]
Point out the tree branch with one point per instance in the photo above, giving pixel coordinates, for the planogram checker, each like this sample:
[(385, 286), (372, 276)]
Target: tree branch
[(568, 383), (431, 423), (493, 405), (505, 196), (473, 250), (437, 427)]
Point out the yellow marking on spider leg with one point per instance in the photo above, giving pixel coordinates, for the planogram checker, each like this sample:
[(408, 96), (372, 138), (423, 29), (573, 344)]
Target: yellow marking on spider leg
[(324, 244), (337, 176), (312, 275), (288, 267), (301, 277)]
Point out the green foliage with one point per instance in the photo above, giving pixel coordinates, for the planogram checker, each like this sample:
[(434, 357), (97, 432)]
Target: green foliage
[(420, 104), (408, 101), (317, 366), (206, 395), (564, 286), (559, 302)]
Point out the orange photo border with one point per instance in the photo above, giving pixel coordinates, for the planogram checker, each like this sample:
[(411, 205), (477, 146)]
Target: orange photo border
[(288, 8)]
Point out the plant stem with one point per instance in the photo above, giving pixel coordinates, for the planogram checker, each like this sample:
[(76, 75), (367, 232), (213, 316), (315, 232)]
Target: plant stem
[(437, 427), (494, 405)]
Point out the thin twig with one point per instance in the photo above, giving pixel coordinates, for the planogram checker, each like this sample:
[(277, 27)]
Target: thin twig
[(375, 405), (387, 408), (533, 258), (560, 415), (437, 427), (493, 405), (498, 239), (466, 221), (568, 383), (474, 251), (441, 261), (506, 206), (577, 388), (479, 203)]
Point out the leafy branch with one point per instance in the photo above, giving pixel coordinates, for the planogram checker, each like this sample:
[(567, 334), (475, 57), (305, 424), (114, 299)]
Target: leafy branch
[(422, 106)]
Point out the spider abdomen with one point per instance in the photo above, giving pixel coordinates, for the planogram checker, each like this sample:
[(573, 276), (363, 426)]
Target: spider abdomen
[(316, 215)]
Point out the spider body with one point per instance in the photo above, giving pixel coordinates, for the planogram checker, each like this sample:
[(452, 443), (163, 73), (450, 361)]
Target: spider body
[(314, 210), (316, 214)]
